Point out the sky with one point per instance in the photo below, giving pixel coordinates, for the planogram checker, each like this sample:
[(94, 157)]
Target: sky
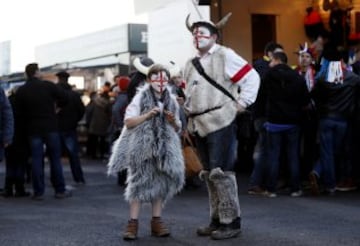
[(28, 24)]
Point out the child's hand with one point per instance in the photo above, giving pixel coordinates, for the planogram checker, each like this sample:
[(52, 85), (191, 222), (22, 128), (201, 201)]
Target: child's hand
[(153, 112), (169, 116)]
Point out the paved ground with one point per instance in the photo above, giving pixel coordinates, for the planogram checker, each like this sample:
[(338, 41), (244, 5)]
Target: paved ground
[(97, 214)]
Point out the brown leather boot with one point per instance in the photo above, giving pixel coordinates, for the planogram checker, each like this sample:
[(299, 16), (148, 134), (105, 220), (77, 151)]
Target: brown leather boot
[(131, 230), (158, 229)]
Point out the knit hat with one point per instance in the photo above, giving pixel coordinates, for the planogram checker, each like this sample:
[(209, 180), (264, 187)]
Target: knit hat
[(123, 83)]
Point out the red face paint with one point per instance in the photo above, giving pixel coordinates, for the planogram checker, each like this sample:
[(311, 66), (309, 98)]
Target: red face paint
[(159, 81)]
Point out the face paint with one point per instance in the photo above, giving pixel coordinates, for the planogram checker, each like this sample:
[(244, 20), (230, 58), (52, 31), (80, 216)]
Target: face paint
[(202, 37), (305, 59), (159, 81)]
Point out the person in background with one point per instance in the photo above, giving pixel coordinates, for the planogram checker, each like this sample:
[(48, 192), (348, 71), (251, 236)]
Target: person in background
[(283, 97), (257, 178), (149, 149), (13, 170), (212, 110), (100, 123), (68, 118), (335, 95), (118, 113), (309, 145), (37, 102)]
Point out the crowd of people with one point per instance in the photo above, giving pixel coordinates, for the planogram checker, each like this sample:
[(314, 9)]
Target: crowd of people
[(302, 119)]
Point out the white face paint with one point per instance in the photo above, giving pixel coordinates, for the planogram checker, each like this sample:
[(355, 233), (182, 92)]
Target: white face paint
[(202, 37), (159, 81)]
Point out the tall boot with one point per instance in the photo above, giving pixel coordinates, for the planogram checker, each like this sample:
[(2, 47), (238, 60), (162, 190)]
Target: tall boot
[(213, 204), (8, 188), (229, 207)]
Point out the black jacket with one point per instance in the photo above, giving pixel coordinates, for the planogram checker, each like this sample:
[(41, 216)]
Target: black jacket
[(37, 102), (283, 95), (336, 100), (73, 111)]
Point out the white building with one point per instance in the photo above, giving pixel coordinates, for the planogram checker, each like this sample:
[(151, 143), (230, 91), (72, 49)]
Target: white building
[(111, 46)]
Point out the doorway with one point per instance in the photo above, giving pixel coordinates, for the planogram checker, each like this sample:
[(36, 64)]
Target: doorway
[(263, 29)]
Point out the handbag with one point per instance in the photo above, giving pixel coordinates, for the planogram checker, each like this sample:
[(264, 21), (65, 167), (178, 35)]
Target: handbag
[(192, 161)]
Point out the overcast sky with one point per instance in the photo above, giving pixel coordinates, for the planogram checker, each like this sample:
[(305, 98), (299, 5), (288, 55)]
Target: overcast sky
[(29, 23)]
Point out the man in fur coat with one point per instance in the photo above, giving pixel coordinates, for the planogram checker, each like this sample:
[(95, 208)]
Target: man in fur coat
[(149, 149), (212, 112)]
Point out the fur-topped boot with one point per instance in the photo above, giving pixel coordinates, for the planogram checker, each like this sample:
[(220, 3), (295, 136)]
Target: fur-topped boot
[(229, 207), (158, 228), (213, 204), (131, 230)]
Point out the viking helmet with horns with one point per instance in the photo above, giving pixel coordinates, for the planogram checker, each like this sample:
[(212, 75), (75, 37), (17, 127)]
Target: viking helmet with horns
[(214, 28)]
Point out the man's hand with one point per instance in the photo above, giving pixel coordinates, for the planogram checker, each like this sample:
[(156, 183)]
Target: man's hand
[(240, 109)]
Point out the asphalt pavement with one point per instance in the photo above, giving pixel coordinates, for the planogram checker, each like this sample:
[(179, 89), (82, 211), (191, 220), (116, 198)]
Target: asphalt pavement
[(97, 214)]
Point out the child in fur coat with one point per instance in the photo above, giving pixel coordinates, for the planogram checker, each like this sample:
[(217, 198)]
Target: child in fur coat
[(149, 149)]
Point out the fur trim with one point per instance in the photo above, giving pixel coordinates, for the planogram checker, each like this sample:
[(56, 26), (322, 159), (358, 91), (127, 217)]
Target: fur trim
[(213, 196), (151, 153), (226, 187), (203, 174)]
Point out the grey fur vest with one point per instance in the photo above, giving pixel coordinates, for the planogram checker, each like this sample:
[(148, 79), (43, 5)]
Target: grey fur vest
[(151, 153)]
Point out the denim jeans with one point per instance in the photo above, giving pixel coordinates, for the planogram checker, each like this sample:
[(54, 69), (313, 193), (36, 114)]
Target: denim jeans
[(288, 140), (216, 148), (53, 148), (70, 143), (332, 132)]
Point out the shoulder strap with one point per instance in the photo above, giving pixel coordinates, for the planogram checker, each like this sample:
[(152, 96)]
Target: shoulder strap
[(201, 71)]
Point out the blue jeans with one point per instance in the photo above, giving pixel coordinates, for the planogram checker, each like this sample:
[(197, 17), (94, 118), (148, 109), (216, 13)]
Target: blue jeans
[(214, 149), (332, 133), (70, 143), (290, 140), (53, 147)]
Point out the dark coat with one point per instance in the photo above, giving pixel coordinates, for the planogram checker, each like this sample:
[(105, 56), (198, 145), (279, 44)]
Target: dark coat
[(37, 102), (6, 122), (72, 112), (283, 95), (337, 100)]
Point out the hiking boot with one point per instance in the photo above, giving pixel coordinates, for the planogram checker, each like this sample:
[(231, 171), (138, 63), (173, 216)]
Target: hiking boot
[(226, 231), (314, 183), (131, 230), (207, 230), (158, 229)]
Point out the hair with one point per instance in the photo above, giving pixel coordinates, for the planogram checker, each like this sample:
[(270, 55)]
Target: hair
[(156, 68), (272, 46), (31, 69), (281, 56), (212, 28)]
